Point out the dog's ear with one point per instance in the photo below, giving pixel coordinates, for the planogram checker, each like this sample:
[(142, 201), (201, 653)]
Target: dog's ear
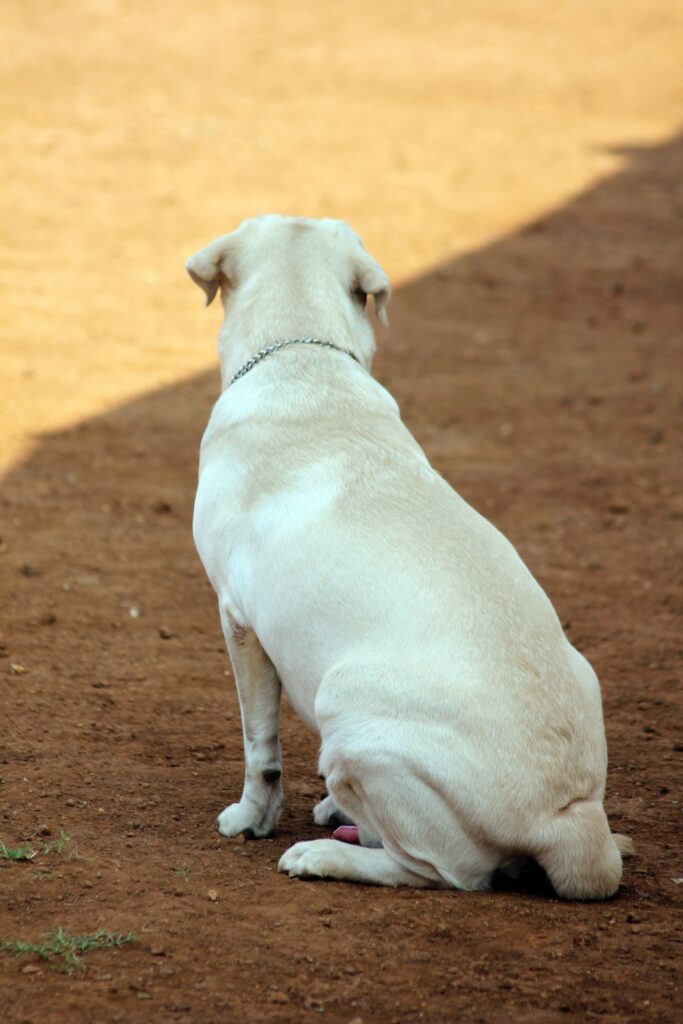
[(370, 279), (213, 265)]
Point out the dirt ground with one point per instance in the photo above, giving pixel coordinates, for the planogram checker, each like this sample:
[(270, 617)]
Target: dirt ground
[(517, 168)]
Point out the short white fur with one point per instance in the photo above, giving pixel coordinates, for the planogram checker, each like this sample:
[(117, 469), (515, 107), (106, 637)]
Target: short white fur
[(459, 728)]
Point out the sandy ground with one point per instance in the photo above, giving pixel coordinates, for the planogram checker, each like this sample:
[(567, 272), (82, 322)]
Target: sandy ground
[(517, 168)]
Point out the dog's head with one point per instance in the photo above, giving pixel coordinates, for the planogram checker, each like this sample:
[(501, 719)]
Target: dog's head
[(309, 276)]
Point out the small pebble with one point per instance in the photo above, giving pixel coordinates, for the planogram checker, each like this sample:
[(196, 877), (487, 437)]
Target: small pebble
[(278, 997)]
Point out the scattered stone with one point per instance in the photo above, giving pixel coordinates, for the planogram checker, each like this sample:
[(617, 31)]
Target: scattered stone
[(44, 830), (158, 951), (31, 969), (87, 580), (212, 895), (17, 669), (278, 997), (165, 634)]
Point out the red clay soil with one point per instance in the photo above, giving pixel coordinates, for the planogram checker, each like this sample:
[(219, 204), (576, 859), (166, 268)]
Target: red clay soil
[(542, 374)]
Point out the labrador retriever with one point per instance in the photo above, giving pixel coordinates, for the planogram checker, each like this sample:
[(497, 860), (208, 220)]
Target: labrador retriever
[(460, 730)]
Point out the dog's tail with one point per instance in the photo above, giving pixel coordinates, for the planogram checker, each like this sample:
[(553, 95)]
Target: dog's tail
[(580, 855)]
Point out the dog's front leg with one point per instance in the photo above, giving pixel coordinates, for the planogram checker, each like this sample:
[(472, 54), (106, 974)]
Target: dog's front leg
[(258, 688)]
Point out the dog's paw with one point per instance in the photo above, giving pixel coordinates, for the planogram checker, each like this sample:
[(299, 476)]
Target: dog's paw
[(327, 813), (318, 858), (237, 819)]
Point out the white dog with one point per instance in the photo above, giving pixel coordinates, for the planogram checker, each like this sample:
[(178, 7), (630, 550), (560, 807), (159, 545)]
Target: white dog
[(460, 730)]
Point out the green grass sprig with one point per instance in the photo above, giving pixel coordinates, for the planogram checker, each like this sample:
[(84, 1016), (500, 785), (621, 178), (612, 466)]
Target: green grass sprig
[(65, 948)]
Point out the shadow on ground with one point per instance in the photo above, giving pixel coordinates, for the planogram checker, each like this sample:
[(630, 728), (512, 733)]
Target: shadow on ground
[(543, 376)]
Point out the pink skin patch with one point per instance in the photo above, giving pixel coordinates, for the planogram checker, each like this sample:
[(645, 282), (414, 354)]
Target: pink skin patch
[(346, 834)]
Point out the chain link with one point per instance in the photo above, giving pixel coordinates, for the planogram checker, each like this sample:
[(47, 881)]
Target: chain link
[(251, 363)]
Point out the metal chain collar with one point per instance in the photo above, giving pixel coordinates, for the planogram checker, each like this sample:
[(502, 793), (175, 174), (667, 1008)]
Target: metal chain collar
[(251, 363)]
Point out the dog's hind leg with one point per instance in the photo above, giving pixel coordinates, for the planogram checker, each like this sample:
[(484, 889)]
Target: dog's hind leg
[(327, 813), (326, 858), (258, 688), (579, 853), (419, 822)]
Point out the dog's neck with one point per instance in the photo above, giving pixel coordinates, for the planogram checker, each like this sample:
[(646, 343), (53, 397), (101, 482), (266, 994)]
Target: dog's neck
[(285, 343), (251, 326)]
